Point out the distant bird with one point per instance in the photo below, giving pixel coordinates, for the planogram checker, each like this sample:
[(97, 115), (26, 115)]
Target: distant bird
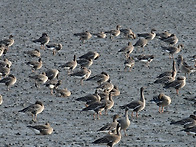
[(142, 42), (71, 65), (125, 122), (172, 39), (5, 63), (129, 63), (35, 65), (186, 69), (62, 92), (145, 59), (1, 99), (115, 91), (166, 79), (42, 129), (179, 61), (100, 34), (53, 84), (136, 105), (114, 33), (43, 40), (83, 74), (108, 86), (109, 103), (84, 36), (110, 139), (193, 58), (173, 50), (128, 33), (190, 130), (163, 35), (85, 62), (111, 127), (127, 49), (148, 36), (52, 74), (7, 42), (179, 83), (186, 122), (2, 48), (4, 71), (33, 53), (162, 100), (99, 78), (55, 47), (34, 109), (9, 80), (39, 79), (90, 55)]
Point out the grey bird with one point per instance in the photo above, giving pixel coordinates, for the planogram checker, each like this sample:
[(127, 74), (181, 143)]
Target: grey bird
[(85, 62), (99, 78), (128, 33), (39, 79), (45, 129), (35, 65), (162, 101), (115, 91), (109, 103), (114, 33), (9, 80), (127, 49), (52, 74), (186, 69), (62, 92), (5, 63), (173, 50), (53, 84), (190, 130), (4, 71), (90, 55), (34, 109), (33, 53), (1, 99), (110, 139), (166, 79), (148, 36), (43, 40), (142, 42), (100, 34), (125, 122), (84, 36), (145, 59), (172, 39), (55, 47), (108, 86), (136, 105), (163, 35), (2, 48), (129, 63), (7, 43), (179, 61), (71, 65)]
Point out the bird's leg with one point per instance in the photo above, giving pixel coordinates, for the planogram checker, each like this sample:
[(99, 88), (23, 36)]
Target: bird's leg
[(159, 109), (132, 114), (81, 82), (125, 133), (53, 52), (177, 91), (162, 109), (137, 114)]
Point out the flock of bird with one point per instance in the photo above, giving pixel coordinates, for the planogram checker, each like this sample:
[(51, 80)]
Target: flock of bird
[(102, 99)]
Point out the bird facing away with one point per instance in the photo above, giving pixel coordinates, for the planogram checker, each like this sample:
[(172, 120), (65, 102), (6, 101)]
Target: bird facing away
[(39, 78), (127, 49), (142, 42), (33, 53), (9, 80), (34, 109), (179, 83), (43, 40), (99, 78), (173, 50), (162, 100), (105, 86), (136, 105), (83, 74), (52, 74), (85, 62), (84, 36), (90, 55), (125, 122), (35, 65), (171, 40), (129, 63), (42, 129), (110, 126), (110, 139), (114, 33), (55, 47), (148, 36), (71, 65), (128, 33)]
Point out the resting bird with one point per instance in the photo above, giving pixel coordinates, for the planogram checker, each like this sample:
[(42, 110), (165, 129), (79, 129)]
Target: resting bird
[(9, 80), (55, 47), (43, 40), (42, 129), (148, 36), (33, 53), (128, 33), (145, 59), (83, 36), (163, 35), (39, 78), (99, 78), (191, 130), (173, 50), (136, 105), (127, 49), (62, 92), (71, 65), (162, 100), (34, 109), (172, 39), (114, 33), (53, 84), (100, 34), (90, 55), (7, 43), (110, 139), (35, 65)]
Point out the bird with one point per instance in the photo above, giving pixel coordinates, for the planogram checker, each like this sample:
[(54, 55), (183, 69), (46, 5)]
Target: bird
[(85, 62), (35, 65), (148, 36), (53, 84), (62, 92), (55, 47), (9, 80), (179, 61), (114, 33), (34, 109), (52, 74), (145, 59), (162, 100), (190, 130), (45, 129), (109, 103), (90, 98), (5, 63), (83, 74), (173, 50), (136, 105), (166, 79), (110, 127), (129, 63), (1, 99), (193, 99), (127, 49), (125, 122), (115, 91), (172, 39), (108, 86), (90, 55), (71, 65), (179, 83), (33, 53), (163, 35), (39, 79), (7, 43), (110, 139), (128, 33), (4, 71), (99, 78), (193, 58), (84, 36), (142, 42), (186, 122), (43, 40), (100, 34), (186, 69), (2, 48)]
